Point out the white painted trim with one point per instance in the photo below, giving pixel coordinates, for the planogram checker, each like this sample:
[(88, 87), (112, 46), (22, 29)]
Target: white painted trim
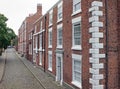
[(76, 12), (97, 35), (75, 47), (94, 71), (94, 82), (98, 76), (38, 32), (97, 13), (78, 58), (98, 66), (98, 87), (98, 55), (94, 8), (60, 3), (97, 24), (49, 68), (93, 19), (94, 29), (59, 55), (94, 40), (59, 26), (97, 3), (97, 45), (78, 19), (93, 51), (94, 60)]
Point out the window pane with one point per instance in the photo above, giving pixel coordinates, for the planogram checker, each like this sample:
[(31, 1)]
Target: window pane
[(77, 34), (77, 6), (50, 38), (60, 12), (77, 70), (60, 36)]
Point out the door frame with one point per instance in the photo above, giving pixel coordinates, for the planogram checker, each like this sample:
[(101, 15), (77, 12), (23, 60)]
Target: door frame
[(61, 69)]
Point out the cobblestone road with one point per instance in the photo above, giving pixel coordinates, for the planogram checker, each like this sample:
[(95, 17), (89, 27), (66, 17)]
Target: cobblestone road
[(17, 76)]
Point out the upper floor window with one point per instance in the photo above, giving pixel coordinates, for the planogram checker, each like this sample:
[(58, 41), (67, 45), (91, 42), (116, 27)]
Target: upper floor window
[(50, 17), (76, 33), (60, 14), (76, 6), (50, 38), (59, 36)]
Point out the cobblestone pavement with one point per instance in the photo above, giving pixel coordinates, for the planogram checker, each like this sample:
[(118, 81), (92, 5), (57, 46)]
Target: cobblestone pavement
[(17, 76)]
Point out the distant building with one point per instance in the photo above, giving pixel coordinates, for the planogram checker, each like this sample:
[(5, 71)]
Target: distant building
[(77, 42)]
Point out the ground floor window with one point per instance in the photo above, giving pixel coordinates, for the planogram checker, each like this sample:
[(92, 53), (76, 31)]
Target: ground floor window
[(40, 58), (50, 60), (76, 70)]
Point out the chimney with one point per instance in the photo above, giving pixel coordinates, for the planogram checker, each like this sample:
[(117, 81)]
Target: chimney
[(39, 8)]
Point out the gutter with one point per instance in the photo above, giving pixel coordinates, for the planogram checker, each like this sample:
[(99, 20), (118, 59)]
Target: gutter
[(44, 45)]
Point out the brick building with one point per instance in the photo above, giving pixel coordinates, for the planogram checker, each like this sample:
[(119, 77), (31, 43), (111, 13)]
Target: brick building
[(77, 42), (27, 27)]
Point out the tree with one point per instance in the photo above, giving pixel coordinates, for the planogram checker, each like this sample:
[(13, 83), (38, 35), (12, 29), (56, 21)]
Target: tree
[(6, 34)]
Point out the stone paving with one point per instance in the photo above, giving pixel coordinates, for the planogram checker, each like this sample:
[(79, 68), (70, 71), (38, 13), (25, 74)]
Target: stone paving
[(17, 76), (21, 74), (45, 79)]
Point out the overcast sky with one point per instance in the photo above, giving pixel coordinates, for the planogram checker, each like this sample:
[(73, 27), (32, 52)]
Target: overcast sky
[(17, 10)]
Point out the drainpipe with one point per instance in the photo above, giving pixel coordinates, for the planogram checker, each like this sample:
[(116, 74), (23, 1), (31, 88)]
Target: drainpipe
[(45, 45), (32, 45), (107, 42)]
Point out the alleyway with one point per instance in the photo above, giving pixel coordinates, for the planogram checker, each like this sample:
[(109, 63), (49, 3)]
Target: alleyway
[(17, 76)]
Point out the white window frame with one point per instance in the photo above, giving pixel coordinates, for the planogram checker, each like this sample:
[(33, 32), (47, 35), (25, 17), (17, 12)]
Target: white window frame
[(40, 42), (77, 58), (76, 11), (50, 60), (60, 9), (50, 38), (36, 44), (30, 49), (40, 58), (74, 21), (50, 17), (59, 28)]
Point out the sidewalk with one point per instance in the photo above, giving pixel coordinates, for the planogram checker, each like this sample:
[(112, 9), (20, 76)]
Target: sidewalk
[(44, 79), (2, 65)]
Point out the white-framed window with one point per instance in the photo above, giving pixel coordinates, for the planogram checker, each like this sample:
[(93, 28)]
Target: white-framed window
[(50, 38), (30, 48), (40, 42), (77, 70), (31, 35), (40, 58), (50, 17), (60, 11), (36, 44), (76, 33), (59, 36), (76, 6), (50, 60)]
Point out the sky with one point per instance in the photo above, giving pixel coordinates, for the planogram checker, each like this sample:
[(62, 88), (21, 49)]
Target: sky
[(17, 10)]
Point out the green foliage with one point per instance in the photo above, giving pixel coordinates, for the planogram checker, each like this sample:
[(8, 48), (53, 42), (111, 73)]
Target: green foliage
[(6, 34)]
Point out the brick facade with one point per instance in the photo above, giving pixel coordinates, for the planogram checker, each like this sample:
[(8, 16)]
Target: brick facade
[(53, 43)]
